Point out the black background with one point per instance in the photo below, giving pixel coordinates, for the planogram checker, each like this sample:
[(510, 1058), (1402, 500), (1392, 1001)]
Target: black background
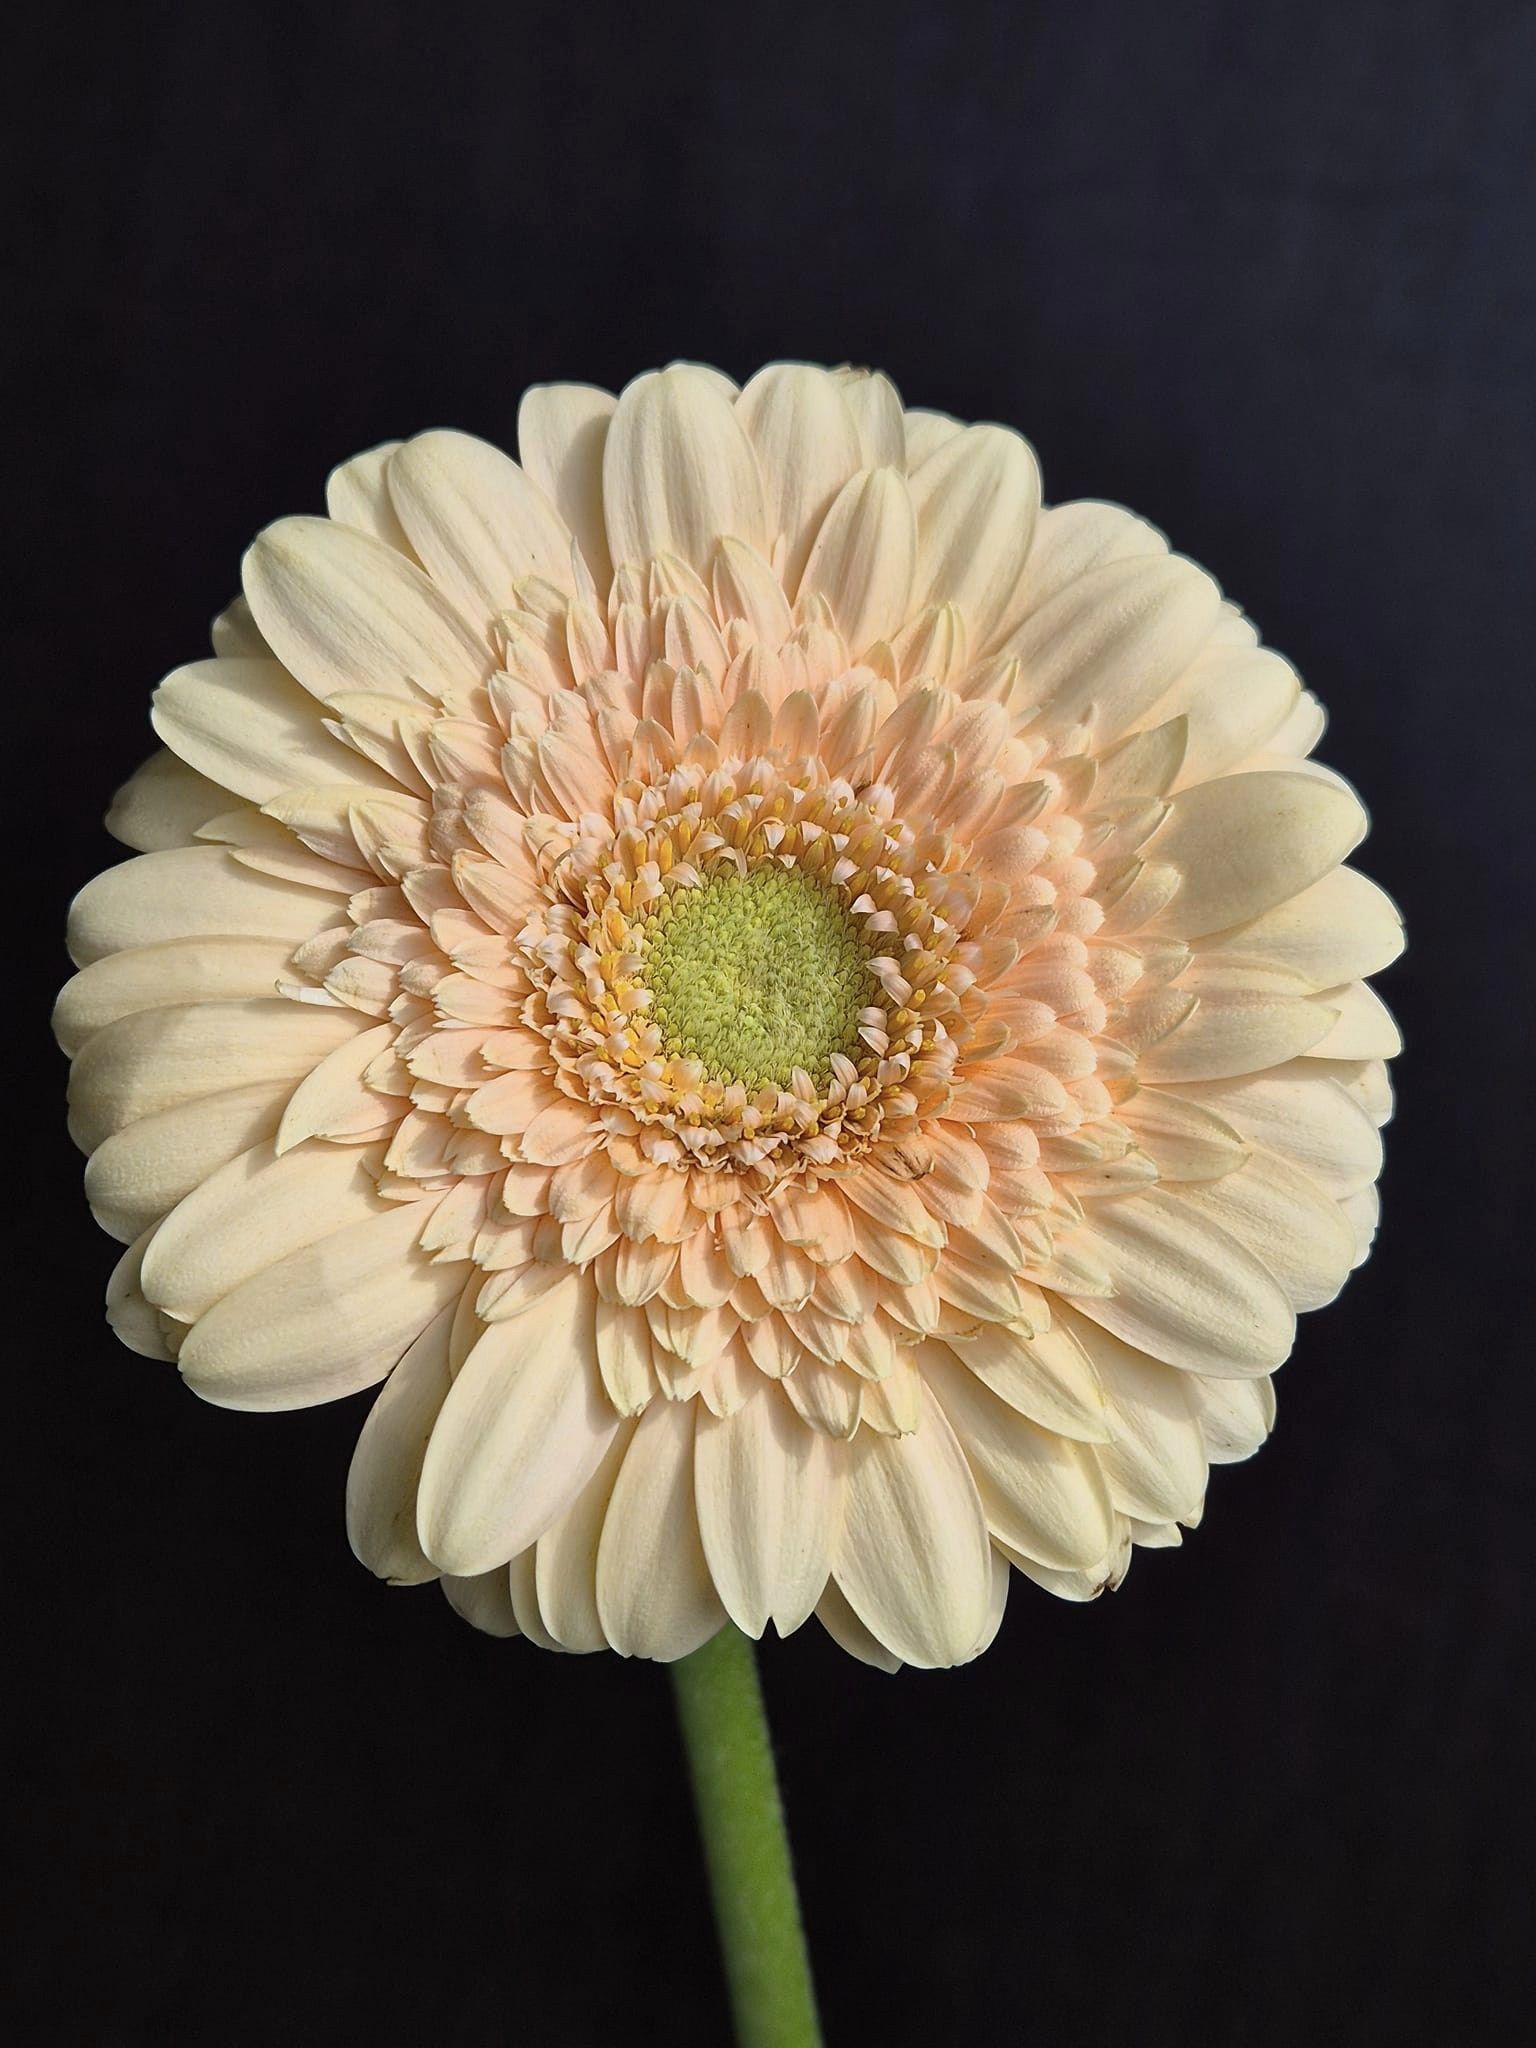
[(1264, 273)]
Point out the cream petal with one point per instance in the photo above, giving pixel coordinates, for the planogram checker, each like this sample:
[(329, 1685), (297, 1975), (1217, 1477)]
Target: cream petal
[(1247, 842), (914, 1561), (875, 405), (769, 1497), (251, 1213), (235, 632), (864, 557), (1185, 1291), (478, 523), (185, 893), (326, 1321), (1085, 534), (343, 611), (386, 1465), (1303, 1113), (924, 432), (895, 1205), (162, 805), (143, 1171), (1364, 1029), (678, 470), (1046, 1376), (484, 1601), (1155, 1463), (976, 498), (249, 726), (1367, 1081), (746, 588), (1041, 1493), (1235, 1030), (357, 495), (1301, 729), (1298, 1233), (1340, 929), (521, 1433), (159, 1058), (826, 1398), (655, 1597), (155, 977), (523, 1582), (1112, 642), (1002, 1578), (1363, 1213), (1183, 1139), (1101, 1577), (565, 1557), (1233, 699), (562, 430), (1143, 766), (132, 1320), (1235, 1416), (807, 448), (332, 1100), (850, 1634), (624, 1355)]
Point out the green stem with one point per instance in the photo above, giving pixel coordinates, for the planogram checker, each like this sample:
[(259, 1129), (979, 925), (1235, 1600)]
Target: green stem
[(746, 1848)]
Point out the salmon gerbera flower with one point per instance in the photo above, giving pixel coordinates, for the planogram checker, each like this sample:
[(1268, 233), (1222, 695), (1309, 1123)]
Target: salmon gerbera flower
[(801, 1012)]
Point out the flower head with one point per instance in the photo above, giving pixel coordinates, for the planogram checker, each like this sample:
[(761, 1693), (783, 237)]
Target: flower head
[(801, 1012)]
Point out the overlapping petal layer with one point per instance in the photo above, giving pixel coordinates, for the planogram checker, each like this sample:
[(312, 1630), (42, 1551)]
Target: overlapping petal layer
[(801, 1011)]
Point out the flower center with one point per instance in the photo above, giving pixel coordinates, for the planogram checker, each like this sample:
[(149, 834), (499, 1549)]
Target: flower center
[(757, 974)]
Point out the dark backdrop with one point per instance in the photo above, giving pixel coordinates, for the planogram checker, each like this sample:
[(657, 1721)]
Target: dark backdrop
[(1264, 273)]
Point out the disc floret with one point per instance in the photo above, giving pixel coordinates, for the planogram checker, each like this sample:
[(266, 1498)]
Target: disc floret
[(757, 975)]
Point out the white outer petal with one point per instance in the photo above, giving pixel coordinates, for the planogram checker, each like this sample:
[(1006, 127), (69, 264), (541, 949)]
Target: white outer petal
[(678, 470), (344, 611), (158, 1058), (357, 495), (1305, 1114), (807, 445), (519, 1436), (484, 1601), (162, 804), (190, 892), (1041, 1493), (977, 497), (1185, 1291), (1293, 1229), (914, 1561), (1247, 842), (1110, 644), (326, 1321), (477, 521), (769, 1494), (195, 970), (565, 1557), (561, 433), (1341, 928), (144, 1170), (864, 557), (386, 1465), (252, 1212), (248, 725), (655, 1596)]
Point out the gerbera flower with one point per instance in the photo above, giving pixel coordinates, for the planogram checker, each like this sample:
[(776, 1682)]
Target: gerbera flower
[(802, 1013)]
